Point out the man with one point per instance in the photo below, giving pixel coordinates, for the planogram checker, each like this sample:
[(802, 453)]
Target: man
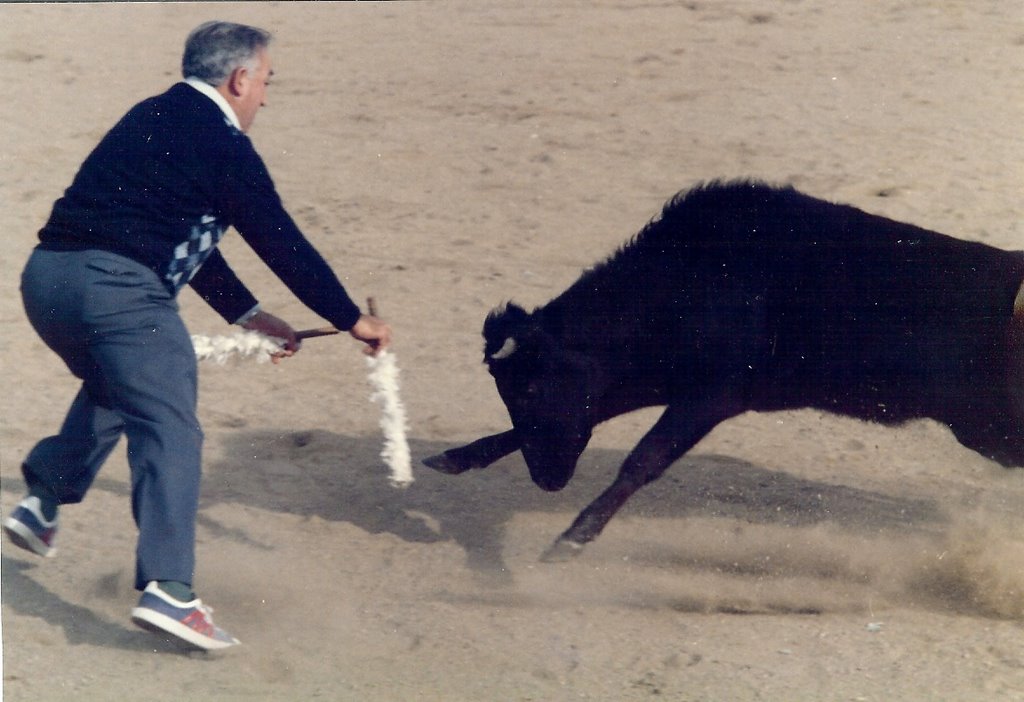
[(141, 219)]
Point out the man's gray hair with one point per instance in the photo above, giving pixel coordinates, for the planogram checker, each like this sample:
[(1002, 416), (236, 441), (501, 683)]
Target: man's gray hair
[(214, 49)]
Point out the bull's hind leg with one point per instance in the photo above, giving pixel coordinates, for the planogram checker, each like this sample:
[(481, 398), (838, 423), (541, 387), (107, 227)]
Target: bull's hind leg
[(675, 433), (479, 454)]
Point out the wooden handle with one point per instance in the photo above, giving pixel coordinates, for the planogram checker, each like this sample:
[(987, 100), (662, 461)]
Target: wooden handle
[(371, 304), (310, 333), (329, 331)]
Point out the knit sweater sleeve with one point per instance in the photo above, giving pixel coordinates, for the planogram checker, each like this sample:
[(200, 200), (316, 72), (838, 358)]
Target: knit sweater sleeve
[(218, 285), (255, 209)]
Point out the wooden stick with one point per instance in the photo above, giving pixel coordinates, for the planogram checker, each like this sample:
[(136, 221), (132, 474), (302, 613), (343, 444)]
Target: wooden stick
[(310, 333), (371, 304)]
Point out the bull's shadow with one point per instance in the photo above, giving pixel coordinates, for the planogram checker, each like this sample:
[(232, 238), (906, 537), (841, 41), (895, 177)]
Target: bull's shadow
[(342, 478)]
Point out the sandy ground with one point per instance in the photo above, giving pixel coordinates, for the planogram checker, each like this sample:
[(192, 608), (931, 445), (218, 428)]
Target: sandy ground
[(447, 157)]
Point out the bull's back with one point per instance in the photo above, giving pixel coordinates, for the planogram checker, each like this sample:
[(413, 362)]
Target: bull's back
[(879, 318), (851, 311)]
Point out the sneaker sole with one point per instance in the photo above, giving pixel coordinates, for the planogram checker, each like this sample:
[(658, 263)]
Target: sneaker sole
[(21, 536), (145, 618)]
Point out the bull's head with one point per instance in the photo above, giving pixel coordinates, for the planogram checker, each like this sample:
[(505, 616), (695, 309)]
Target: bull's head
[(549, 392)]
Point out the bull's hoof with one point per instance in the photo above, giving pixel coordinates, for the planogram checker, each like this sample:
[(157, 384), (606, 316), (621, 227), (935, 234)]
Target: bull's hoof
[(445, 463), (561, 551)]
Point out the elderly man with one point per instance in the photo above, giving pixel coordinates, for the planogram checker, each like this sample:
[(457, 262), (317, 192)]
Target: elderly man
[(142, 219)]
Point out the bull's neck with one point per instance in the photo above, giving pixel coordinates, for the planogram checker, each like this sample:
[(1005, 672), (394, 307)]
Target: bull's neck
[(592, 324)]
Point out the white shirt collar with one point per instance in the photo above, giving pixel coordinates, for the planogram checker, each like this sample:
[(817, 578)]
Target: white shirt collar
[(211, 92)]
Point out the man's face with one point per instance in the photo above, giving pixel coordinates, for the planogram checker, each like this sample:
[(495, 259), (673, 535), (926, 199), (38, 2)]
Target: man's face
[(252, 93)]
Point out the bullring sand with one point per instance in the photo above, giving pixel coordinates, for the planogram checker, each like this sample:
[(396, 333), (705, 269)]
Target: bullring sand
[(446, 157)]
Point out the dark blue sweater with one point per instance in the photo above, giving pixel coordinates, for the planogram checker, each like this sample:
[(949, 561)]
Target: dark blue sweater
[(164, 185)]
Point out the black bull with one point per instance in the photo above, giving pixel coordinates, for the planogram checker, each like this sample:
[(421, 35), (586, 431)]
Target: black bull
[(740, 297)]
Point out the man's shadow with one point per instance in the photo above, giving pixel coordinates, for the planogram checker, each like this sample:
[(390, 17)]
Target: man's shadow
[(25, 596)]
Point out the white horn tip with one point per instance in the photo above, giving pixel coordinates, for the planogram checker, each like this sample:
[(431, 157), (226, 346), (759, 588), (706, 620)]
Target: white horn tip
[(506, 350)]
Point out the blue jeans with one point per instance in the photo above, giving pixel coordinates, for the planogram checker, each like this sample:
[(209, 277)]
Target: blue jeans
[(117, 328)]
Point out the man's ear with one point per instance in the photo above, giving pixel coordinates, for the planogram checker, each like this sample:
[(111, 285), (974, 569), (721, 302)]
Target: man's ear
[(238, 81)]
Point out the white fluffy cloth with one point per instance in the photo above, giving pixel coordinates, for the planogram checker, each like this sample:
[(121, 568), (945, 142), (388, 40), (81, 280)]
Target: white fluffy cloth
[(384, 379), (241, 344)]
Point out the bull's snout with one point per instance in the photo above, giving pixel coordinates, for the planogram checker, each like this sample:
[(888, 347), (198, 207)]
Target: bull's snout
[(552, 463), (551, 480)]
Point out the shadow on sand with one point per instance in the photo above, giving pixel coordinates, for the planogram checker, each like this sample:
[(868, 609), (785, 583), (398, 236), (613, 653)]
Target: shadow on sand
[(342, 478)]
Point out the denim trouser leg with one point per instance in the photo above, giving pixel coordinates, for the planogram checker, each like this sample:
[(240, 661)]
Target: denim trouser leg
[(118, 329)]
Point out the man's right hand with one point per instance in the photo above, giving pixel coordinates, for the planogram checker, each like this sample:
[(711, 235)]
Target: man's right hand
[(374, 332), (268, 324)]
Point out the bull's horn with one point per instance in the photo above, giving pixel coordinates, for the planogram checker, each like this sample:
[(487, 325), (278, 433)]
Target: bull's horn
[(506, 350)]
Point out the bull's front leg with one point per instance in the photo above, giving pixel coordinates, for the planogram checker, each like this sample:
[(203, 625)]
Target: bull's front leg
[(479, 454), (676, 432)]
